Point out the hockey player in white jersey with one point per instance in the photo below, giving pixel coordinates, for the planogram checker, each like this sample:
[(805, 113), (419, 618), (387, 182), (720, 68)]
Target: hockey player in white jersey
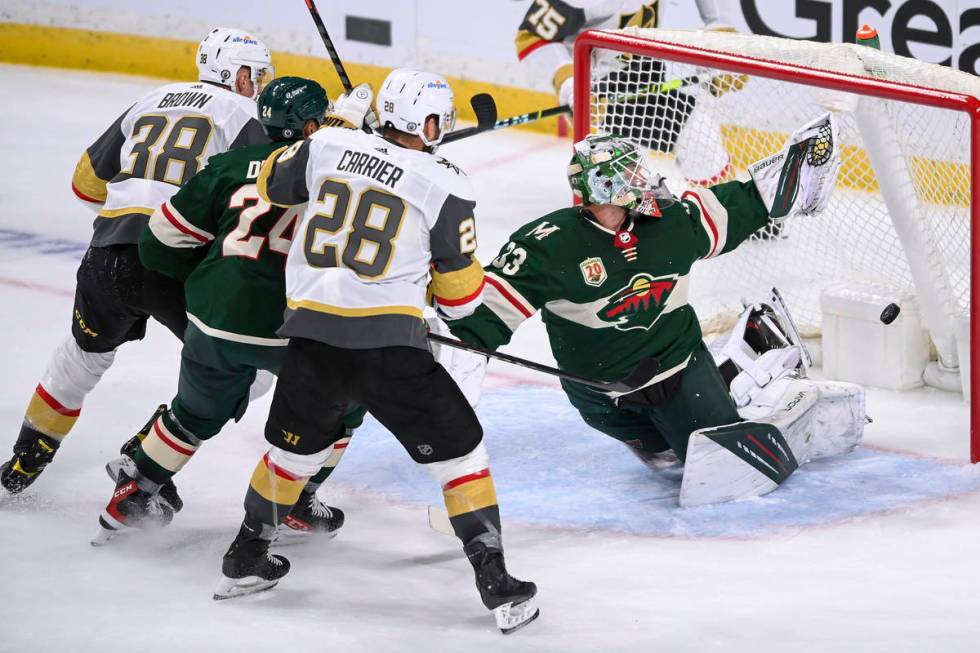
[(388, 223), (144, 156), (662, 121)]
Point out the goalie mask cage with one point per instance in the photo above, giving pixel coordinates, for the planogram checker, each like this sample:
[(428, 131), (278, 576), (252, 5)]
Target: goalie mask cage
[(899, 222)]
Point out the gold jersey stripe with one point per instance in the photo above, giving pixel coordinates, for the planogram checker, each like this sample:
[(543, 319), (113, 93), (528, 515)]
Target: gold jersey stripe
[(473, 495), (262, 183), (129, 210), (371, 311), (525, 40), (86, 181), (458, 283)]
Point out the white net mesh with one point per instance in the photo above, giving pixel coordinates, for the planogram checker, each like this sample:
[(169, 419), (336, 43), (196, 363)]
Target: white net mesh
[(698, 135)]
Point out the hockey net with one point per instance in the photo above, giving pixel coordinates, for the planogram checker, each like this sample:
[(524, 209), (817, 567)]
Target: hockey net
[(707, 104)]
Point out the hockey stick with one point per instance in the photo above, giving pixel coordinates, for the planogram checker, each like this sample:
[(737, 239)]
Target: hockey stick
[(662, 87), (328, 43), (643, 372), (486, 118), (534, 116), (506, 122), (332, 51)]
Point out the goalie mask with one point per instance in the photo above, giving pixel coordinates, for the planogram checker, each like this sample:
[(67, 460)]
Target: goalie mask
[(610, 170)]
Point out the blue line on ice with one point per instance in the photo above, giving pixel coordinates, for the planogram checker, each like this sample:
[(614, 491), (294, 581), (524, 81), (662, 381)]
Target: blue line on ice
[(42, 244), (551, 469)]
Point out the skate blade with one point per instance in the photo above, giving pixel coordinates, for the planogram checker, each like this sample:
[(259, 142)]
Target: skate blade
[(511, 617), (103, 537), (230, 588), (286, 536)]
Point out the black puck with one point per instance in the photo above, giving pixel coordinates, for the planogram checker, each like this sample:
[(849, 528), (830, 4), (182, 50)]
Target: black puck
[(889, 313)]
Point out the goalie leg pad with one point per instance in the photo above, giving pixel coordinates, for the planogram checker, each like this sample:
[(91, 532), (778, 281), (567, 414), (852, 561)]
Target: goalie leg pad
[(792, 422), (736, 461)]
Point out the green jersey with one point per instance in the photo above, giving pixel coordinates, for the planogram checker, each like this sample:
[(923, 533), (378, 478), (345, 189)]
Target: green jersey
[(228, 246), (610, 299)]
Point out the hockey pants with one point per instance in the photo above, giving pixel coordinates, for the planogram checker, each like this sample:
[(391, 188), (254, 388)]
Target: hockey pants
[(700, 399)]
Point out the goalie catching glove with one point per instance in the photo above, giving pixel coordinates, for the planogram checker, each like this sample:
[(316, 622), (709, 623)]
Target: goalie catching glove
[(801, 178)]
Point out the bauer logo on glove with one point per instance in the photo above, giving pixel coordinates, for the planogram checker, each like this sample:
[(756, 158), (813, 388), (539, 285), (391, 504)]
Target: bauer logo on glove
[(801, 178)]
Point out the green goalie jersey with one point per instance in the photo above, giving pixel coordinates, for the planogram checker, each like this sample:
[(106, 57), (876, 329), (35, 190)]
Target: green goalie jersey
[(612, 299), (229, 247)]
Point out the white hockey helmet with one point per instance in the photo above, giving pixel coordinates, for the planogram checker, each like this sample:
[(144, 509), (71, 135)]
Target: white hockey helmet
[(224, 50), (408, 97)]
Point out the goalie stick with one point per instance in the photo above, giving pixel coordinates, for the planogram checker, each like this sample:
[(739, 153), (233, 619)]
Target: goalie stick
[(634, 380)]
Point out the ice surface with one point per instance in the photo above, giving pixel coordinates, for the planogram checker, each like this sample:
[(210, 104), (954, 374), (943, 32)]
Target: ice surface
[(875, 551)]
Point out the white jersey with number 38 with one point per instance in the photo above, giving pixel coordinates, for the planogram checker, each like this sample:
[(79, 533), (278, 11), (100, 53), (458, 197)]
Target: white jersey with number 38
[(154, 148)]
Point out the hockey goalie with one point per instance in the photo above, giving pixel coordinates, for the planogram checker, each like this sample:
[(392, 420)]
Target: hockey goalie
[(611, 279)]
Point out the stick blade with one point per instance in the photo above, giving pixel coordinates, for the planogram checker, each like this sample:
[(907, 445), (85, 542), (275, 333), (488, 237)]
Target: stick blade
[(485, 109)]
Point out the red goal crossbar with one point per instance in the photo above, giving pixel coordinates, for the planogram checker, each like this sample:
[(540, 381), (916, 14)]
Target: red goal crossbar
[(597, 39)]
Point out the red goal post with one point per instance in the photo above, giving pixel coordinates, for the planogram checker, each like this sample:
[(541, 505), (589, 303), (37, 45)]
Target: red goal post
[(649, 45)]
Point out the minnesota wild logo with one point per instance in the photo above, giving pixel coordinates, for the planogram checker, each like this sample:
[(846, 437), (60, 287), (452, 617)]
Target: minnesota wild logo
[(639, 303)]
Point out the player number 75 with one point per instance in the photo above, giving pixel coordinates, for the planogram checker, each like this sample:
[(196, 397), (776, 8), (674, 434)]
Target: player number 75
[(546, 20)]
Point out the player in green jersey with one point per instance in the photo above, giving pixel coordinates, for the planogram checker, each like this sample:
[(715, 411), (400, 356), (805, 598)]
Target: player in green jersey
[(228, 247), (611, 281)]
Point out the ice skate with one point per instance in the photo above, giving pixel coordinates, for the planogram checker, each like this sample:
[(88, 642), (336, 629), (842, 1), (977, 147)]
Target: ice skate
[(126, 462), (510, 600), (248, 567), (131, 508), (32, 452), (310, 516)]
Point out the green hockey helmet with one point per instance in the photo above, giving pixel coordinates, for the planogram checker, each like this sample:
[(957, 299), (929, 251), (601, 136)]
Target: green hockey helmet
[(610, 170), (287, 103)]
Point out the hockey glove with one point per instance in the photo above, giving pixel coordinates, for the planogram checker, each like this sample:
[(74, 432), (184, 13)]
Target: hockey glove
[(355, 107), (721, 84), (801, 178)]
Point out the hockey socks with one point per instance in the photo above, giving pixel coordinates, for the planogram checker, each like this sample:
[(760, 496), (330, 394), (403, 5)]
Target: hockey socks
[(471, 502), (165, 449), (272, 492), (336, 452), (49, 416)]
